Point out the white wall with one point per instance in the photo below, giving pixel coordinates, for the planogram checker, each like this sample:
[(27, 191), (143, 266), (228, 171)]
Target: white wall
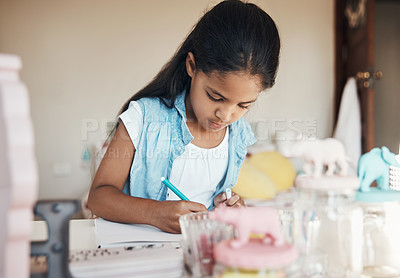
[(303, 95), (83, 59)]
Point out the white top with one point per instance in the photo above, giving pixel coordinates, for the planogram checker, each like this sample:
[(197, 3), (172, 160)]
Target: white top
[(197, 172)]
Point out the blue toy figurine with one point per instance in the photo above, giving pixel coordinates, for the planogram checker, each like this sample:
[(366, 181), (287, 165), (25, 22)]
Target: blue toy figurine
[(374, 165)]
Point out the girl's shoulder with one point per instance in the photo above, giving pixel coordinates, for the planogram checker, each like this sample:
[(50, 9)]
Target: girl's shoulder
[(241, 125), (154, 108), (153, 104), (242, 129)]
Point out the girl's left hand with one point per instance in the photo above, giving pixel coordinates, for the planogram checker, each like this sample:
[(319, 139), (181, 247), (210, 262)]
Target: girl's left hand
[(235, 201)]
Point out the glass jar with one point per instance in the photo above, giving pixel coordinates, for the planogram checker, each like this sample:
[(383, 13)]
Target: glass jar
[(199, 236), (381, 232), (283, 204), (328, 227)]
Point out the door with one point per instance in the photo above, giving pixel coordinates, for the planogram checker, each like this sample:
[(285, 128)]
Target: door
[(354, 30)]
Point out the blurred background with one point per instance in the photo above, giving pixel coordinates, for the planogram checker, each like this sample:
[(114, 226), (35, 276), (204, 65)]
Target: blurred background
[(82, 59)]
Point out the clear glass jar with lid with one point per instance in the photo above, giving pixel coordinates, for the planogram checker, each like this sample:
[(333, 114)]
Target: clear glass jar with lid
[(381, 207), (328, 226), (381, 232), (259, 249)]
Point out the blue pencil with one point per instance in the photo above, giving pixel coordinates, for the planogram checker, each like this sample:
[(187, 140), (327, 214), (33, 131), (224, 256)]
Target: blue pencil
[(174, 189)]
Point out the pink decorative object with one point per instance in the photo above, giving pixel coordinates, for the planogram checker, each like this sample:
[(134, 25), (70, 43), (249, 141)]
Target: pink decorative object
[(268, 253), (18, 171), (256, 255), (329, 152), (248, 220)]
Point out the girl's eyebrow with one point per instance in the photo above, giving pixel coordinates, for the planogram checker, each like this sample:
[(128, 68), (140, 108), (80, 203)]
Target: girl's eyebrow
[(218, 94)]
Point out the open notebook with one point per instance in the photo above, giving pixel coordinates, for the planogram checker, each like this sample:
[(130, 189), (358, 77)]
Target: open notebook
[(129, 250), (147, 261), (125, 250), (111, 234)]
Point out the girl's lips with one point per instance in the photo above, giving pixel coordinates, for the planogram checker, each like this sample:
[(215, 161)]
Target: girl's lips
[(215, 125)]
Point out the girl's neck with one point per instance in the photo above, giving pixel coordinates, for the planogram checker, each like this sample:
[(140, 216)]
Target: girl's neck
[(204, 139)]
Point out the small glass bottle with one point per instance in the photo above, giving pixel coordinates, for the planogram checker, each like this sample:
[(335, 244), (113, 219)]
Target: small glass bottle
[(381, 232), (328, 226)]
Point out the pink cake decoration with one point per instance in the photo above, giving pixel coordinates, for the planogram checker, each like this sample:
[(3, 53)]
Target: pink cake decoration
[(268, 252)]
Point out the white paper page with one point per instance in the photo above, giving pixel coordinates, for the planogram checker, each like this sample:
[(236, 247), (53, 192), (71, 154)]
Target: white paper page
[(111, 233)]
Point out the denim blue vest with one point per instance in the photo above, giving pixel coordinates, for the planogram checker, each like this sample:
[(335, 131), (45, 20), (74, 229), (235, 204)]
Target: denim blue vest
[(164, 137)]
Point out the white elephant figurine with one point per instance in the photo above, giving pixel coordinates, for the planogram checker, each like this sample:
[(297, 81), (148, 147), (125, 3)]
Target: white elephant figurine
[(319, 153)]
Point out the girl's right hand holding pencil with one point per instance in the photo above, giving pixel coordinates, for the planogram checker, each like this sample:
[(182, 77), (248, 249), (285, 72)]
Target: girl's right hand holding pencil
[(166, 215), (107, 200)]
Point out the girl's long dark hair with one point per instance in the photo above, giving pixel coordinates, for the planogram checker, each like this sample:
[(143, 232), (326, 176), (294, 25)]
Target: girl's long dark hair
[(233, 36)]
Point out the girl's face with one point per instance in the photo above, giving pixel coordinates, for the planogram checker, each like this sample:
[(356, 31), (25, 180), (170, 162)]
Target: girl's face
[(217, 100)]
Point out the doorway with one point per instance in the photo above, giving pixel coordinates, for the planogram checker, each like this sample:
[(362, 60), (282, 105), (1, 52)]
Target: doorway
[(367, 43), (387, 60)]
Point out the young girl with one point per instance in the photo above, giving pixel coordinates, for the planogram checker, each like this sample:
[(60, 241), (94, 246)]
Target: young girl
[(186, 124)]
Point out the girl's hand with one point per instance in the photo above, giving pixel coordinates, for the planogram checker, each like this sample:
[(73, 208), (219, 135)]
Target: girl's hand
[(235, 201), (166, 216)]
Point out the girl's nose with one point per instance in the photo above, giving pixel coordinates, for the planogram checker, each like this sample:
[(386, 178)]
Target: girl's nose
[(224, 114)]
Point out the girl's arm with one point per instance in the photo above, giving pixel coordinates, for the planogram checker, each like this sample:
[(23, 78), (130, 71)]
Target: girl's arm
[(107, 200)]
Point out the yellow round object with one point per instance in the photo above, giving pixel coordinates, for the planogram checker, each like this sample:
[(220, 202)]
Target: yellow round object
[(254, 184), (275, 166)]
